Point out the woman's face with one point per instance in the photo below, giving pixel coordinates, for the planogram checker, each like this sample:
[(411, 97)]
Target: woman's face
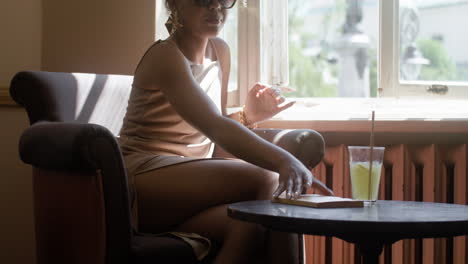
[(202, 18)]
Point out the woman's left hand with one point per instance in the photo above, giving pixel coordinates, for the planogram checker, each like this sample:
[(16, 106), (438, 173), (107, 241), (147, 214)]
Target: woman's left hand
[(264, 102)]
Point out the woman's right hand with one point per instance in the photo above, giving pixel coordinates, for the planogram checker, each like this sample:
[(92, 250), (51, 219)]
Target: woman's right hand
[(263, 102), (294, 176)]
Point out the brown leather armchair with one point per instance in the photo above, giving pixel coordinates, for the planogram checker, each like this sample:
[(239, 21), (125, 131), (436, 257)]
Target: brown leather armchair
[(81, 197)]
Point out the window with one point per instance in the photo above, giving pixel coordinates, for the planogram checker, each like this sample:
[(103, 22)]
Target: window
[(347, 48), (432, 53), (351, 48), (333, 48)]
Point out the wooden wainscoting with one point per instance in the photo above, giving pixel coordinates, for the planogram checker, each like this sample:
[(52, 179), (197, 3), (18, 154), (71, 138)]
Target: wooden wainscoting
[(5, 99), (433, 173), (423, 161)]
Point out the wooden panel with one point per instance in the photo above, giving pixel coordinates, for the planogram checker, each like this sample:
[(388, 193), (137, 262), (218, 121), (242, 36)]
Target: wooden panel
[(386, 174), (429, 172), (336, 157), (458, 155), (411, 192), (445, 194), (428, 157), (5, 99), (397, 156), (315, 245), (315, 250), (348, 248)]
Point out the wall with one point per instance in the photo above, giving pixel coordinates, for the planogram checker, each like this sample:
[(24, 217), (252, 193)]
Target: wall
[(20, 37), (106, 36), (20, 45)]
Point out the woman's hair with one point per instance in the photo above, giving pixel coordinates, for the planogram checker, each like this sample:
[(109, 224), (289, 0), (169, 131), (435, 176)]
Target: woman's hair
[(169, 23)]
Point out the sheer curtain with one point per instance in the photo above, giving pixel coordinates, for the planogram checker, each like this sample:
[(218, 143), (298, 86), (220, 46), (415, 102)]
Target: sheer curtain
[(274, 42)]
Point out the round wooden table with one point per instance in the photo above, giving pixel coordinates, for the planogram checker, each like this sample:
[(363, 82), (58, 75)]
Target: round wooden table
[(370, 227)]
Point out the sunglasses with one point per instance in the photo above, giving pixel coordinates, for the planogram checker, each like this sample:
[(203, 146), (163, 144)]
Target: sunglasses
[(225, 4)]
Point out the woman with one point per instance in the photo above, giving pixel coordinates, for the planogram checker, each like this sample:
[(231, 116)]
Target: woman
[(174, 115)]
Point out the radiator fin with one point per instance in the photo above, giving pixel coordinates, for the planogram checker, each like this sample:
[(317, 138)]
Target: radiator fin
[(431, 173)]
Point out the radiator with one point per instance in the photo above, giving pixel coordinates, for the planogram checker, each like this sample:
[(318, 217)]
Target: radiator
[(432, 173)]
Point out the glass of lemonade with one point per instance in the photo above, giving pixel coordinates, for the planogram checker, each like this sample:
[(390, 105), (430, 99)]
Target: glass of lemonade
[(365, 185)]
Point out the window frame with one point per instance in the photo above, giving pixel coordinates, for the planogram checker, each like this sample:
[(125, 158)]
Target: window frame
[(390, 72), (388, 67), (249, 48)]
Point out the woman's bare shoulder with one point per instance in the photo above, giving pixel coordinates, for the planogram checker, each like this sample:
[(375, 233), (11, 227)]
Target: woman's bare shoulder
[(165, 51), (159, 64), (162, 58)]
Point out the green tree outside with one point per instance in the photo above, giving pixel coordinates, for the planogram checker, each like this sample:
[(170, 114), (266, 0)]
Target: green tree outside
[(441, 67), (306, 72)]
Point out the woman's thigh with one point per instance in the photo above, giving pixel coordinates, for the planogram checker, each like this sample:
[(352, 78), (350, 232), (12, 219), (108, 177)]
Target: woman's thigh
[(169, 196)]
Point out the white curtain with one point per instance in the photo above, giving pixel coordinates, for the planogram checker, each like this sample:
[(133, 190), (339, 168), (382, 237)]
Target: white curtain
[(274, 42)]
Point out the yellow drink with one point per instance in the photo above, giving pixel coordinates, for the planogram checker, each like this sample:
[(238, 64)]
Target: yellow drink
[(360, 180)]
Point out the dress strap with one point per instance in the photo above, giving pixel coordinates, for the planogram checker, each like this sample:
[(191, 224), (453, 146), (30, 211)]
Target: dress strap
[(224, 58), (146, 52)]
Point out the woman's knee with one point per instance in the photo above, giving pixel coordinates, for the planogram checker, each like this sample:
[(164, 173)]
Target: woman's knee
[(265, 182)]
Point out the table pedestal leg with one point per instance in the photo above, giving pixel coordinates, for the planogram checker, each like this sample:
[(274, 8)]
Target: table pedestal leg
[(370, 252)]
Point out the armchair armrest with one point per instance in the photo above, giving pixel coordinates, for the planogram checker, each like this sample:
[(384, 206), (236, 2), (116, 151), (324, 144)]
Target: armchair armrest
[(61, 146), (74, 147), (307, 145)]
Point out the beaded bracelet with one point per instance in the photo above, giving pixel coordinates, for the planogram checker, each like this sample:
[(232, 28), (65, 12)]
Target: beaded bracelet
[(243, 119)]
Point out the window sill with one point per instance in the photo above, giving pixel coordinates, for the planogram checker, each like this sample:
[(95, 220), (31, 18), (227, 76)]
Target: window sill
[(416, 120), (386, 109)]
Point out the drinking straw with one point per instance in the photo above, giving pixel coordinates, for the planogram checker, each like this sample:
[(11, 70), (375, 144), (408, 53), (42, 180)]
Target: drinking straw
[(370, 155)]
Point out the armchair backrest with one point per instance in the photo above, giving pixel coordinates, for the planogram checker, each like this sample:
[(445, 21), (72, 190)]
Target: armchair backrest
[(73, 97), (85, 111)]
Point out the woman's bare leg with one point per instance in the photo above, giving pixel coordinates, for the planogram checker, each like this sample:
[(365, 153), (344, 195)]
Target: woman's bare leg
[(282, 247), (242, 242), (192, 197)]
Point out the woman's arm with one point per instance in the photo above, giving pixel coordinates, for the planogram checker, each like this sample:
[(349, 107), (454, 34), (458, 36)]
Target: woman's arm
[(174, 78), (262, 101)]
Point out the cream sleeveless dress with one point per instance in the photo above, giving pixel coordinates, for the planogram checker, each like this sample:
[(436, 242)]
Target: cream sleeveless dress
[(154, 135)]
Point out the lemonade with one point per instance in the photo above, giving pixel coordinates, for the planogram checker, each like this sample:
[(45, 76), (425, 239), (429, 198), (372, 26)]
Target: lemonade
[(360, 180)]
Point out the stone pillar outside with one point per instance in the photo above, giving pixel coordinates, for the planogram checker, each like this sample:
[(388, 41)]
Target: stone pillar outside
[(353, 49)]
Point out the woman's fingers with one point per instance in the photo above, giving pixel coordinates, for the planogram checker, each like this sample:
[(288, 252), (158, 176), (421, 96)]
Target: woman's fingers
[(289, 189), (286, 106), (308, 180), (280, 100), (294, 181), (281, 188), (257, 89), (298, 188), (273, 92), (322, 187)]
